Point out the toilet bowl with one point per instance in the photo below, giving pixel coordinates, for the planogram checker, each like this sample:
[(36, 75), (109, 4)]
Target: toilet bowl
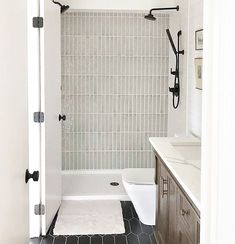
[(142, 190)]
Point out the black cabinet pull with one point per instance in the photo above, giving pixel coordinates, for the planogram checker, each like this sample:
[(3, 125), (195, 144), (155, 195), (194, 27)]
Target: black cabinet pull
[(34, 176), (62, 117)]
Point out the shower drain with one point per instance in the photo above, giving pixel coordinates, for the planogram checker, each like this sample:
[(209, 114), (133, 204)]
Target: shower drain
[(114, 184)]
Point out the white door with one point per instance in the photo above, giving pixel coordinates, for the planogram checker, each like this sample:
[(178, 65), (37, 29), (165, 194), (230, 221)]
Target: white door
[(14, 226), (51, 106)]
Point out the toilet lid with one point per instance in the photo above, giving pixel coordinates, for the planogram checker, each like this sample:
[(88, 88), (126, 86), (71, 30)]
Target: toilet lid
[(139, 176)]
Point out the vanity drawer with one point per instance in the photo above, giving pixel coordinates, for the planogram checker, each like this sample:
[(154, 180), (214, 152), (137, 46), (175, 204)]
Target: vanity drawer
[(186, 215)]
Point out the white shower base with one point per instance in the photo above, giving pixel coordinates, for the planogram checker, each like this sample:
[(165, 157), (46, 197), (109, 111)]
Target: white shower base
[(93, 185)]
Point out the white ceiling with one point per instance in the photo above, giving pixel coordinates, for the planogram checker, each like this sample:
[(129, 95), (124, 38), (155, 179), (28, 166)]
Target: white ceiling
[(119, 4)]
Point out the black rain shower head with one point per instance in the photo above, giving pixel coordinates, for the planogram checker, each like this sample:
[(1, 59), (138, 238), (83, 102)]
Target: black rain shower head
[(63, 8), (150, 15)]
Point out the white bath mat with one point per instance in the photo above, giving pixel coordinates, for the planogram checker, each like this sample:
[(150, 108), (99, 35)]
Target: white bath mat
[(90, 218)]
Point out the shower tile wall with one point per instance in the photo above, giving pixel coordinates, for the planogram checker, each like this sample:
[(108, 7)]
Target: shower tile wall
[(115, 69)]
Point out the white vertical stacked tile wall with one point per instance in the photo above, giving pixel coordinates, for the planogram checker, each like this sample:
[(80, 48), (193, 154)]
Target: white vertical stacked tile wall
[(115, 69)]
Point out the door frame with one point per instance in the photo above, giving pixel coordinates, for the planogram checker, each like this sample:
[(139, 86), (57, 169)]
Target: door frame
[(34, 96), (37, 96)]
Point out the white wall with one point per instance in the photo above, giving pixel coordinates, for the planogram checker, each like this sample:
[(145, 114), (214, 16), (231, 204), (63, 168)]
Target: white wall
[(177, 117), (118, 4), (14, 126), (187, 117), (218, 167), (194, 95)]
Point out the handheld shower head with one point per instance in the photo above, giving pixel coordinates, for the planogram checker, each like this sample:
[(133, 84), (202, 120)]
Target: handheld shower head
[(171, 41)]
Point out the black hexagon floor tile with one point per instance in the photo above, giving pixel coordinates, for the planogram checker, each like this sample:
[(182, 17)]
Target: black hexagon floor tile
[(47, 240), (60, 240), (84, 240), (96, 239), (135, 226), (127, 227), (120, 239), (144, 238), (108, 239), (135, 232), (72, 240), (132, 239), (127, 213)]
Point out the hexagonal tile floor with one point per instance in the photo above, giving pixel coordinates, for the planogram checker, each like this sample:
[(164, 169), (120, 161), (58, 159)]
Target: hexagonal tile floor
[(136, 233)]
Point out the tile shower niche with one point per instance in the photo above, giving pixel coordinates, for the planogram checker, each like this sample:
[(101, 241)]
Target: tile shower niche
[(115, 69)]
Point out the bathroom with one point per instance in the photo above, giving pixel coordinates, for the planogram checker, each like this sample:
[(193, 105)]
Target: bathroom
[(114, 95), (117, 120)]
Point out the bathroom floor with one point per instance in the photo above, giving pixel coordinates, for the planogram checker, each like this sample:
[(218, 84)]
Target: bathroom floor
[(136, 233)]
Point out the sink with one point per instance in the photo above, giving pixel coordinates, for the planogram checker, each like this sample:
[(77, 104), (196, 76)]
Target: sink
[(190, 151)]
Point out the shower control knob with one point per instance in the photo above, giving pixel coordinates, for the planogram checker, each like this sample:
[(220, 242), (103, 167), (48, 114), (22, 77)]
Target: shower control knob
[(62, 117), (34, 176), (175, 90)]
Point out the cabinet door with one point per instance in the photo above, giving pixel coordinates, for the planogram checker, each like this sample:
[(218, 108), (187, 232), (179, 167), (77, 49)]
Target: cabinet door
[(162, 220), (183, 237), (172, 199), (188, 220)]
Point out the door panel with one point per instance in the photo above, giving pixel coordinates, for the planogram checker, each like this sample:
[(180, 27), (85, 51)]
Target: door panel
[(14, 226), (51, 106)]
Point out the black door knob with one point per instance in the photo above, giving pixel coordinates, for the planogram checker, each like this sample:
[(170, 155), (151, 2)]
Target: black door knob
[(34, 176), (62, 117)]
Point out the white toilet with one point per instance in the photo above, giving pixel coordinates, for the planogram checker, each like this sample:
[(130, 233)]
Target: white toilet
[(142, 190)]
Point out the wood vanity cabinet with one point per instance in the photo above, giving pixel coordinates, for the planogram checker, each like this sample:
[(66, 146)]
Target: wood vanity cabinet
[(178, 221)]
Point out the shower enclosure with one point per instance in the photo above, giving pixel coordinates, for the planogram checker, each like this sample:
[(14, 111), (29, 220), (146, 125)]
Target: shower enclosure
[(109, 95)]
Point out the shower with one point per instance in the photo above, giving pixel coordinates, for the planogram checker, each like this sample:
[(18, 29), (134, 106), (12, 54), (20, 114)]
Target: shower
[(63, 8), (176, 89)]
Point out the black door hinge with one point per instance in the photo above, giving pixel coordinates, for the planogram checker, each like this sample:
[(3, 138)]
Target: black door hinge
[(37, 22), (38, 117)]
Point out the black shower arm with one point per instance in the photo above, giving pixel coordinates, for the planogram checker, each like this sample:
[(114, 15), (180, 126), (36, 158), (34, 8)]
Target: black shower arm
[(160, 9), (57, 3)]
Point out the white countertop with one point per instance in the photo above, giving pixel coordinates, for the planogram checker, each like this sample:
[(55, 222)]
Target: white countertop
[(187, 172)]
